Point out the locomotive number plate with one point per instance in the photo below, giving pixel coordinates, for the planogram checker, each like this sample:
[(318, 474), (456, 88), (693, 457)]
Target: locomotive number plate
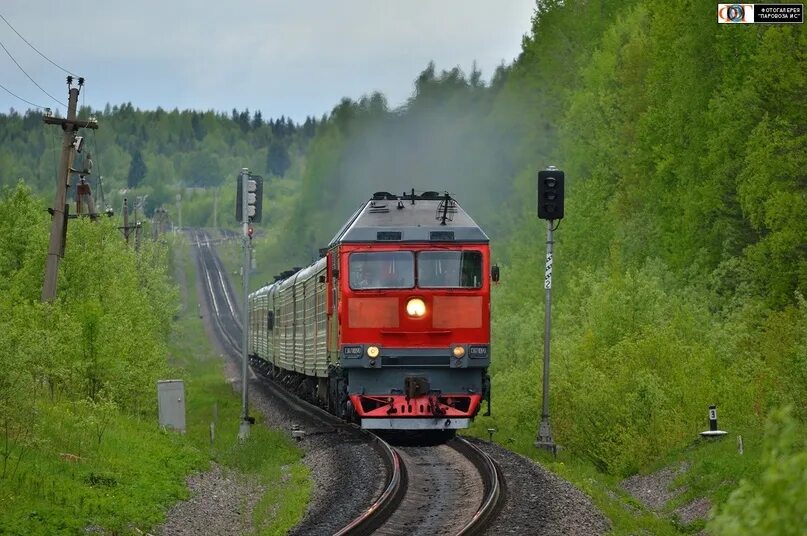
[(352, 351)]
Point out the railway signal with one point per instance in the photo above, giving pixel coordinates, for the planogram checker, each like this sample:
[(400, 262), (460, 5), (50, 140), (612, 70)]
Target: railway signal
[(550, 194), (249, 195), (253, 197), (550, 208)]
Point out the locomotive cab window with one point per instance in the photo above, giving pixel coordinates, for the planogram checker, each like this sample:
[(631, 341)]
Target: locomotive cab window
[(382, 269), (450, 269)]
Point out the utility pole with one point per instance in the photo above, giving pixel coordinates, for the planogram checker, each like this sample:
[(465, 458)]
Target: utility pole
[(126, 227), (158, 223), (215, 208), (60, 210), (550, 208), (140, 207), (179, 211)]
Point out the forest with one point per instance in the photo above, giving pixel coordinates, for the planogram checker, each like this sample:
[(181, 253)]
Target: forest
[(681, 263)]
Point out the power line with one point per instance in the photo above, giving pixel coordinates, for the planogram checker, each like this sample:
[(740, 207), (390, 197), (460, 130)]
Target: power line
[(29, 76), (17, 96), (35, 49)]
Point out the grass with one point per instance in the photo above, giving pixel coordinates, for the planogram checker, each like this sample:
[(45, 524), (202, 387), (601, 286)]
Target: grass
[(70, 479), (269, 456), (122, 483), (715, 469)]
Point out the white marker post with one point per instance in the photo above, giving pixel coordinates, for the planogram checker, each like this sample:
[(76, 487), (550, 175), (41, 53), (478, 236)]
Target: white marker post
[(713, 432)]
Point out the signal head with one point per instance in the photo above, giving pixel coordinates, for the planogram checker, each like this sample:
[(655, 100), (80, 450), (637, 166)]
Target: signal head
[(550, 194)]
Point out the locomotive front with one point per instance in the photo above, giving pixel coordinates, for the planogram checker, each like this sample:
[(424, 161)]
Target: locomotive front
[(408, 280)]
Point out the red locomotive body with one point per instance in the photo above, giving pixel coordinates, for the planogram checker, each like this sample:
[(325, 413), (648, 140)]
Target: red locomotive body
[(392, 328)]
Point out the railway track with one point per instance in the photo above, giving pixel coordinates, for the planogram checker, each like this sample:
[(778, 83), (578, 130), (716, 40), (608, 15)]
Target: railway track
[(221, 298), (453, 489)]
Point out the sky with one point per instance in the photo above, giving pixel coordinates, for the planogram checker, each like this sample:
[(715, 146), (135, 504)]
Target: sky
[(292, 58)]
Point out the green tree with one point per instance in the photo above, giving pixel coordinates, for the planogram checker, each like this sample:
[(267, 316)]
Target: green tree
[(137, 170), (278, 160), (203, 169)]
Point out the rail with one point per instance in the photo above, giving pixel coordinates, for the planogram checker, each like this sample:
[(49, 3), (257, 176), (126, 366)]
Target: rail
[(494, 487)]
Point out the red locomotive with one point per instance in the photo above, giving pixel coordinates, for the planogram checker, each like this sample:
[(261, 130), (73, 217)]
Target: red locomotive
[(391, 327)]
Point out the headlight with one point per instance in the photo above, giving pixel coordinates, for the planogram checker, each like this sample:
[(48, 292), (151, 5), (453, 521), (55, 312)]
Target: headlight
[(372, 352), (458, 351), (415, 307)]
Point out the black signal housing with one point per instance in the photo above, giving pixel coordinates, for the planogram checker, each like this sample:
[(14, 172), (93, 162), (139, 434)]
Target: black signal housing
[(550, 194)]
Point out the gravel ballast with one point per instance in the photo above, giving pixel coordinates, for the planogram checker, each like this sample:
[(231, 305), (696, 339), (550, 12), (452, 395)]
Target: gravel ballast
[(538, 501), (221, 503), (655, 490)]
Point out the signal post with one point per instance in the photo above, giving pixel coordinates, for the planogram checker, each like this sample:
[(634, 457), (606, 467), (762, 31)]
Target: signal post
[(249, 195), (550, 208)]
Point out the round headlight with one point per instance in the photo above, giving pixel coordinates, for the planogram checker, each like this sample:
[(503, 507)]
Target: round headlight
[(458, 351), (416, 307), (372, 352)]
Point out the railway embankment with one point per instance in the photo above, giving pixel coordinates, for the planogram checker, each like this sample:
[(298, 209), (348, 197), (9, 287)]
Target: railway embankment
[(259, 485)]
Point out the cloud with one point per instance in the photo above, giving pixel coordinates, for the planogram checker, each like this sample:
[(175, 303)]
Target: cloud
[(266, 55)]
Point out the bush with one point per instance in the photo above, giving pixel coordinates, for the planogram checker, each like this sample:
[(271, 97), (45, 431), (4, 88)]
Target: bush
[(775, 503)]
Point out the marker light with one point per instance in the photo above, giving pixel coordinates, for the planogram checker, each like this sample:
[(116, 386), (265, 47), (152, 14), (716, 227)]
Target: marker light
[(415, 307), (458, 351), (372, 352)]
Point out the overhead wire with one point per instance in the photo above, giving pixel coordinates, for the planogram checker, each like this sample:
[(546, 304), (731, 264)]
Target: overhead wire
[(36, 49), (29, 76), (4, 88)]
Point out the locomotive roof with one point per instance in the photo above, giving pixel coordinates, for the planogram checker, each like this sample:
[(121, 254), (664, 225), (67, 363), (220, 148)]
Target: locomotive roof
[(427, 217)]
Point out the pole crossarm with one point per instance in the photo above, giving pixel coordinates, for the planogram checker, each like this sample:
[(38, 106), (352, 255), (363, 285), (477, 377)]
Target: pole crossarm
[(75, 123)]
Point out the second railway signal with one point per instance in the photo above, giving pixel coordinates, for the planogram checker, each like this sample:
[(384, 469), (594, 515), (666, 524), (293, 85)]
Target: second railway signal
[(254, 198)]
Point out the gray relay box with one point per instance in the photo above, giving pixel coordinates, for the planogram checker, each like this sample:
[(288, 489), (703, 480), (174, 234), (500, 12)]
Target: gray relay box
[(171, 403)]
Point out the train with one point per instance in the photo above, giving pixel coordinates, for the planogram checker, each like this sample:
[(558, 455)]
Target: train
[(390, 328)]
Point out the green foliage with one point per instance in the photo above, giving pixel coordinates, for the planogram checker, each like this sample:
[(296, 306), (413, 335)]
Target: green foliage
[(70, 481), (137, 170), (278, 160), (774, 502), (77, 375), (158, 153)]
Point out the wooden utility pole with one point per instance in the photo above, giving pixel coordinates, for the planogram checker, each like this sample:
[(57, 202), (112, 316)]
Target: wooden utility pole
[(126, 227), (60, 209), (215, 208)]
